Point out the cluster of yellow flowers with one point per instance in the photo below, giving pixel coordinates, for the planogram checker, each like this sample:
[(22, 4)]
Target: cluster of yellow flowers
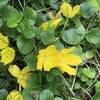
[(7, 53), (51, 57), (47, 59), (22, 77), (66, 10)]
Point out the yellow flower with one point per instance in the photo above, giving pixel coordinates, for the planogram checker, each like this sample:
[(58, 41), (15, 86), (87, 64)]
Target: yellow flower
[(21, 75), (52, 24), (46, 58), (67, 10), (4, 41), (7, 55), (50, 57), (44, 26), (15, 95)]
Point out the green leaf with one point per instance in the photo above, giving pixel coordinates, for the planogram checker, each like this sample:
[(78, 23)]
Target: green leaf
[(89, 54), (77, 86), (53, 73), (34, 81), (3, 94), (27, 29), (96, 96), (31, 61), (59, 45), (84, 78), (14, 19), (89, 8), (30, 13), (47, 37), (26, 95), (97, 86), (46, 95), (3, 3), (11, 15), (73, 36), (58, 98), (98, 2), (90, 73), (1, 22), (93, 36), (25, 45)]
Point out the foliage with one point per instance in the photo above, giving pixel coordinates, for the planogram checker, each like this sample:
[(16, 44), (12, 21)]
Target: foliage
[(49, 36)]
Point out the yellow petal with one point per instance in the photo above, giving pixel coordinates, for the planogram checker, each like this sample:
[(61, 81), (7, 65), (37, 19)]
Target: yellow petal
[(44, 26), (75, 10), (25, 70), (67, 69), (50, 50), (7, 55), (66, 9), (55, 23), (4, 41), (72, 59), (49, 63), (23, 79), (67, 50), (40, 62), (15, 95), (14, 70)]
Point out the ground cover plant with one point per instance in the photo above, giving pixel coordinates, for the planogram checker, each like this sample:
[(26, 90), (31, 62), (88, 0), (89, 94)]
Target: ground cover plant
[(49, 49)]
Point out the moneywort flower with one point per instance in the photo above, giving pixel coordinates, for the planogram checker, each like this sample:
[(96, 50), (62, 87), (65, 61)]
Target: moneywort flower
[(21, 75), (7, 55), (4, 41), (53, 23), (63, 59), (15, 95), (67, 10)]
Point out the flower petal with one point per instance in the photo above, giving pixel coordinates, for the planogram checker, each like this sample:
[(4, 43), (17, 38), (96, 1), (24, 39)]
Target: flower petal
[(75, 10), (40, 62), (25, 70), (72, 59), (14, 70), (67, 50), (44, 26), (15, 95), (66, 9), (7, 55), (68, 69), (49, 63), (54, 23), (23, 79), (4, 41)]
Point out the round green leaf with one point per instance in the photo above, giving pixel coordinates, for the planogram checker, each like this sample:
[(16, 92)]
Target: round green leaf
[(29, 31), (46, 95), (90, 73), (3, 94), (88, 8), (73, 36), (25, 45), (31, 61), (93, 36), (3, 3)]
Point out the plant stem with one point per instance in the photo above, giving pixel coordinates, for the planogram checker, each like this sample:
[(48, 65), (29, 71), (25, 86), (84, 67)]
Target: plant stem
[(67, 84), (65, 24)]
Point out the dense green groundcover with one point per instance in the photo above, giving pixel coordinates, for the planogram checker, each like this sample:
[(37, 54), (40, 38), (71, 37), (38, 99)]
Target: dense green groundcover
[(20, 21)]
